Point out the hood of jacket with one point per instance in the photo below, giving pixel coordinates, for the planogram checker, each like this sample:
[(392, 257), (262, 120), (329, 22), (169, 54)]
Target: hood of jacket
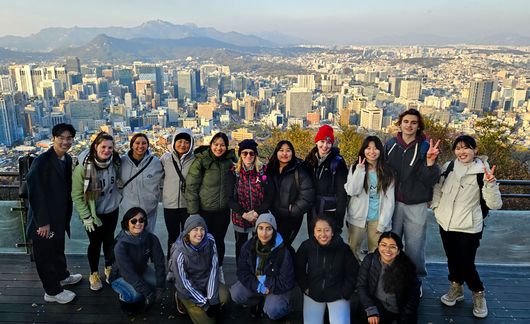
[(172, 148)]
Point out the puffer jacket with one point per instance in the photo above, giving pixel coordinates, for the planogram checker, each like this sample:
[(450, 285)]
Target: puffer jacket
[(195, 271), (292, 198), (456, 199), (278, 268), (206, 180), (144, 190), (172, 195), (328, 273), (110, 197), (414, 179), (357, 212), (408, 300), (247, 190), (132, 254)]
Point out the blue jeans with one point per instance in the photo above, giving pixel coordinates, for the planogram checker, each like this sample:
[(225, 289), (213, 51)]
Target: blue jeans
[(127, 292), (339, 311), (410, 222)]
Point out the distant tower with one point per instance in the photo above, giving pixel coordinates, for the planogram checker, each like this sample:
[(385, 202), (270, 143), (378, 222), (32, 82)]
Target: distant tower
[(8, 120), (298, 102), (372, 118), (73, 64), (480, 95), (306, 81), (410, 89)]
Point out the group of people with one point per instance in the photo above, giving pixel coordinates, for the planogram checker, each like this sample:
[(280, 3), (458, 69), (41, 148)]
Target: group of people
[(384, 196)]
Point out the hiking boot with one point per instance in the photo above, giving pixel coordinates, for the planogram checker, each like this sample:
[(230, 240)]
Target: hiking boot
[(107, 270), (71, 279), (95, 281), (63, 297), (480, 308), (455, 294)]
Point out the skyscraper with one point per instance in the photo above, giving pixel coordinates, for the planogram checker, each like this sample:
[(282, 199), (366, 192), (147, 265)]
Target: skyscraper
[(6, 84), (372, 118), (8, 120), (153, 72), (73, 64), (480, 95), (185, 84), (298, 102), (410, 89), (307, 81)]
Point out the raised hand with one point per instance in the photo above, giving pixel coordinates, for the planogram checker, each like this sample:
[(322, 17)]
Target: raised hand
[(489, 176), (361, 161), (433, 152)]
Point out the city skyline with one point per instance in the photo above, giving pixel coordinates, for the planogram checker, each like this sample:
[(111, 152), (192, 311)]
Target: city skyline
[(338, 22)]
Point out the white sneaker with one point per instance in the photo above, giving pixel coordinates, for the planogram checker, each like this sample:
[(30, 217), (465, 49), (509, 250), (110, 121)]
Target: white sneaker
[(71, 279), (480, 307), (455, 294), (221, 275), (63, 297), (95, 281)]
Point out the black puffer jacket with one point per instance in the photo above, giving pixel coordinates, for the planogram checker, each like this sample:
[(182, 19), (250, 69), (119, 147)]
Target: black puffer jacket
[(293, 192), (408, 299), (328, 273), (329, 185)]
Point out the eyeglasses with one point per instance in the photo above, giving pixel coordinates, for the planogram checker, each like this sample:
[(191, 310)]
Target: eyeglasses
[(249, 153), (137, 220), (393, 248)]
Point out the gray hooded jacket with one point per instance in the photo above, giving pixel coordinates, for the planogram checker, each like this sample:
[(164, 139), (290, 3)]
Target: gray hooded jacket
[(172, 195)]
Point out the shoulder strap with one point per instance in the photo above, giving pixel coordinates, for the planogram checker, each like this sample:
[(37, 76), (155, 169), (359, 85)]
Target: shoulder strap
[(449, 169), (333, 168), (483, 206), (179, 172), (138, 173)]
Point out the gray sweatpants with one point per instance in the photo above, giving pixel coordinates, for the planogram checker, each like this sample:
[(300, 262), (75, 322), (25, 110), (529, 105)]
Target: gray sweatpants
[(410, 222)]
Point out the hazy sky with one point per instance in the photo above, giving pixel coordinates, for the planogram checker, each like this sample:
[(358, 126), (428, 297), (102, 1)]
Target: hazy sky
[(324, 21)]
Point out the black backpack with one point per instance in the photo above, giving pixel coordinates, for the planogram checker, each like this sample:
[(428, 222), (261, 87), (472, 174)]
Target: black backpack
[(480, 180)]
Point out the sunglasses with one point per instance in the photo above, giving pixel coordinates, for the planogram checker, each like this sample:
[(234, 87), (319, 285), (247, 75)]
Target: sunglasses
[(249, 153), (137, 220)]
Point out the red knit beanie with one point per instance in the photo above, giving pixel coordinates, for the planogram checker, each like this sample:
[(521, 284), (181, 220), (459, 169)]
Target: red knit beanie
[(325, 133)]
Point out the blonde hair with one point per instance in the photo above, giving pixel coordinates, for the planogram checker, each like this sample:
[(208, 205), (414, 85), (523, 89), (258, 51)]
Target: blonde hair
[(258, 165)]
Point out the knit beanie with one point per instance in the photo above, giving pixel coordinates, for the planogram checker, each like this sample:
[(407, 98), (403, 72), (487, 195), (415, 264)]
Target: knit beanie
[(248, 144), (266, 218), (192, 222), (184, 136), (325, 133)]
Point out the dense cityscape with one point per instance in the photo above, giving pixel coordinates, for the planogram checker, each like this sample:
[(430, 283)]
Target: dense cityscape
[(366, 87)]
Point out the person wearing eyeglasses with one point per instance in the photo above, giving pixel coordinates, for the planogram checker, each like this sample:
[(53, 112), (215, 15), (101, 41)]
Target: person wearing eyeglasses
[(387, 284), (246, 190), (96, 198), (136, 282)]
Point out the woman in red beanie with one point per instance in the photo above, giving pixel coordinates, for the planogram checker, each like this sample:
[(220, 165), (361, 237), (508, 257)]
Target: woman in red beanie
[(329, 172)]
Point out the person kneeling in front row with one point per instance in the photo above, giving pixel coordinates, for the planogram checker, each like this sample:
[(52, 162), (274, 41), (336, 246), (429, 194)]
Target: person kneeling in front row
[(265, 271)]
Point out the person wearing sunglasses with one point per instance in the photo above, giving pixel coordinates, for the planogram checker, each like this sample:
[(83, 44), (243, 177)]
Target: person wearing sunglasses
[(246, 189), (387, 284), (136, 282)]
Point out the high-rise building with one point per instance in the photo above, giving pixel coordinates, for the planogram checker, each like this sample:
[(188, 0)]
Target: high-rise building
[(23, 79), (73, 64), (9, 132), (6, 84), (250, 107), (372, 118), (298, 102), (306, 81), (185, 85), (480, 95), (264, 93), (410, 89), (395, 85), (152, 72), (125, 77)]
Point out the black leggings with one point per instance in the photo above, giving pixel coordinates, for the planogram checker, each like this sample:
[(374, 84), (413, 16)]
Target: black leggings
[(103, 234), (288, 227), (241, 239), (175, 219), (217, 222)]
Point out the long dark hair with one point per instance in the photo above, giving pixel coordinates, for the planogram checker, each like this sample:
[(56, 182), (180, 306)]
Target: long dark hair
[(385, 176), (103, 136), (311, 159), (273, 167), (401, 272)]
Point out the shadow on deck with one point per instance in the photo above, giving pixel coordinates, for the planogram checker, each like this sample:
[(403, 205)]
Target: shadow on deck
[(21, 298)]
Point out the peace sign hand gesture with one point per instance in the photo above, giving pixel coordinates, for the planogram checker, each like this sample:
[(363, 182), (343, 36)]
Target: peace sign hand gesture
[(361, 163), (433, 152), (489, 176)]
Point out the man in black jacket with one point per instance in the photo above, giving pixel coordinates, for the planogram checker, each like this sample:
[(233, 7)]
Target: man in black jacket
[(49, 187)]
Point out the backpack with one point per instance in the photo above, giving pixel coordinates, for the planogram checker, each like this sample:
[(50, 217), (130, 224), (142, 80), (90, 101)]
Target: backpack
[(480, 180), (24, 164)]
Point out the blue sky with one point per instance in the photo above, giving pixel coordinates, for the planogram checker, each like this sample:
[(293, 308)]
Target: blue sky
[(324, 21)]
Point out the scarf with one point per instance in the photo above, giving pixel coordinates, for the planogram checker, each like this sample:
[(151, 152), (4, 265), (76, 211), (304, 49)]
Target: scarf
[(263, 252), (91, 185)]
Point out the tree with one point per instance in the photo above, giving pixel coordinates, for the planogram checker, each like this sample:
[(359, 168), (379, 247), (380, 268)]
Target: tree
[(349, 142), (302, 140)]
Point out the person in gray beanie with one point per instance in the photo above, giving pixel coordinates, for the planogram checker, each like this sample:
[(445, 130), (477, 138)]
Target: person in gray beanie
[(194, 269), (265, 272)]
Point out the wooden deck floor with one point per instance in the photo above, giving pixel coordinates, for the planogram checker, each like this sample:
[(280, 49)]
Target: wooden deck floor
[(21, 298)]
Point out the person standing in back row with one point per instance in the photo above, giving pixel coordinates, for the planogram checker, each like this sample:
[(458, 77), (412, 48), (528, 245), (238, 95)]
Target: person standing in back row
[(414, 160), (50, 210)]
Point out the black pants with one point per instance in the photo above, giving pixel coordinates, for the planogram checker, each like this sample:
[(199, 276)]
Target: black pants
[(385, 316), (103, 234), (217, 222), (175, 219), (288, 227), (50, 262), (461, 249), (241, 238)]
